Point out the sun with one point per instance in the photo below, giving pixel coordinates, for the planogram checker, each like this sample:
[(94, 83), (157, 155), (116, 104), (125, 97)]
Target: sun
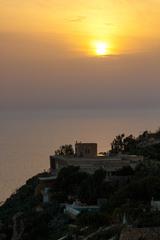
[(101, 48)]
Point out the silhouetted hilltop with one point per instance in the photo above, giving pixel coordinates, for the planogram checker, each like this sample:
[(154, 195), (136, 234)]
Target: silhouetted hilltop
[(88, 206)]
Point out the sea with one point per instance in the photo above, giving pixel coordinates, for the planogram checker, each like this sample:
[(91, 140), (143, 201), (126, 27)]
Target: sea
[(28, 137)]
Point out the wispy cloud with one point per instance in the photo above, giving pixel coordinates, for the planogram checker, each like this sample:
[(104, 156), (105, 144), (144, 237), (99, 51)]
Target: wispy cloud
[(109, 24), (77, 19)]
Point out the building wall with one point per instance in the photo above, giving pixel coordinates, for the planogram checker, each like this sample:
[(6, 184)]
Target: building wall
[(90, 165), (52, 163), (87, 150)]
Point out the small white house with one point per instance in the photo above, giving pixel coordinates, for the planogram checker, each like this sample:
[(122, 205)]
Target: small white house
[(155, 205), (73, 210), (46, 195)]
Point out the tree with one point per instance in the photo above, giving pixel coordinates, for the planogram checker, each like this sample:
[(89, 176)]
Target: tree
[(65, 150), (122, 144), (130, 144), (93, 187), (124, 171), (137, 191), (117, 145), (69, 179), (93, 219), (99, 176)]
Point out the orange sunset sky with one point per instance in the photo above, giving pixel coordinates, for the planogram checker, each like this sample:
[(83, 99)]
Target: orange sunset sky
[(79, 54)]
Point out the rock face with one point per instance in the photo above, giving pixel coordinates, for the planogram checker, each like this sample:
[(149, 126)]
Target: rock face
[(18, 226)]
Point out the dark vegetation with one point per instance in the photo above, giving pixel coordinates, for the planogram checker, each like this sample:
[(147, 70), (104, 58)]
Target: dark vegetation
[(65, 150), (131, 199), (146, 144)]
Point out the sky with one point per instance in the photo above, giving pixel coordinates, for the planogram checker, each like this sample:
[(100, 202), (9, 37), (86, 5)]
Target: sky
[(49, 54)]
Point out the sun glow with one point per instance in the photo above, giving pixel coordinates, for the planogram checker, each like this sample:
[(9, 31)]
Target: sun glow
[(101, 48)]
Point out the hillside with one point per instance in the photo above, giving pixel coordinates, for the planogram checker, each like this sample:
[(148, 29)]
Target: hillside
[(24, 215)]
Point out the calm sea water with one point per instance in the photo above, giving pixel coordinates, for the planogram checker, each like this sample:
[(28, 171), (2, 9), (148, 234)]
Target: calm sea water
[(28, 138)]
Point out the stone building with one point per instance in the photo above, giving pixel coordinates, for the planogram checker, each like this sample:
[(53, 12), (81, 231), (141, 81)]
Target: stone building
[(88, 161), (87, 150)]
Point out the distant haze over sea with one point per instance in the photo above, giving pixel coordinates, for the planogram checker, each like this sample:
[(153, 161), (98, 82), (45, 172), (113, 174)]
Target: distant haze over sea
[(28, 138)]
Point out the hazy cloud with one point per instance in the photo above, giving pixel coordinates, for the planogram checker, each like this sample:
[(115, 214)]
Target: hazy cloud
[(77, 19)]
